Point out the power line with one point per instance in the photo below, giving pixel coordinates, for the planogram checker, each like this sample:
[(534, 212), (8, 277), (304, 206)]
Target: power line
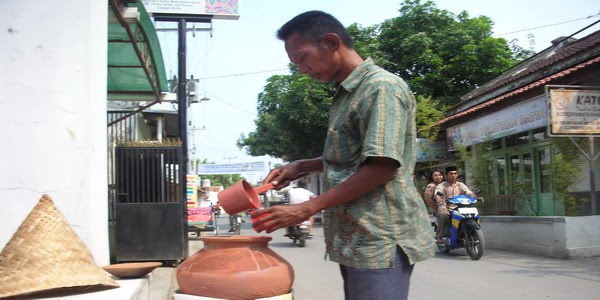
[(549, 25), (228, 103), (242, 74)]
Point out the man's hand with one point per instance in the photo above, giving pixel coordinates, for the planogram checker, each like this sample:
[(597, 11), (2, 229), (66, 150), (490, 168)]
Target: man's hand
[(279, 216), (281, 177)]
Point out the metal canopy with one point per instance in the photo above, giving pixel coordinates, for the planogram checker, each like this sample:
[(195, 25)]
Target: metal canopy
[(136, 70)]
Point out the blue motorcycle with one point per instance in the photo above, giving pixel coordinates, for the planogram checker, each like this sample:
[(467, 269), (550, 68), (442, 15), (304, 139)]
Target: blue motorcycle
[(465, 230)]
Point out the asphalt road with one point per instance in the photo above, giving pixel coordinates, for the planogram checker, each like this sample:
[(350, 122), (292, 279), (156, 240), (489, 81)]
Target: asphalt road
[(498, 275)]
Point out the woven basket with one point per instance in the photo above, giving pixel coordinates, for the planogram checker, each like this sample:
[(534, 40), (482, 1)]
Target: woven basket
[(46, 255)]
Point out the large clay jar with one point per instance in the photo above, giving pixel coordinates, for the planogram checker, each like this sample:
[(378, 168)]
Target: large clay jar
[(235, 267)]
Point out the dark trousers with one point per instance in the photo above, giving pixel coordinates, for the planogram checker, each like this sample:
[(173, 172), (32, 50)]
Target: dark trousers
[(378, 284)]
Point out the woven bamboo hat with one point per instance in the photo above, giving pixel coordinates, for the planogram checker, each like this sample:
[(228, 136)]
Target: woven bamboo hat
[(45, 255)]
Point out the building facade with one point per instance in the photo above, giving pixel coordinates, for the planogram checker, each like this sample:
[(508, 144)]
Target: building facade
[(504, 127)]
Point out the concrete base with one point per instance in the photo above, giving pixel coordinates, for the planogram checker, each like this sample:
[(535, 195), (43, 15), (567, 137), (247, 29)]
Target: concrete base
[(179, 296), (129, 289), (559, 237)]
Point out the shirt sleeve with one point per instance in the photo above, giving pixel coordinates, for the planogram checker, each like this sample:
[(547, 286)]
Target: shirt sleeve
[(429, 190), (466, 190), (386, 122)]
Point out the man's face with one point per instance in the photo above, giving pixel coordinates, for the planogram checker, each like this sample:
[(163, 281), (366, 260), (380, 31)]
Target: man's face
[(452, 176), (312, 59)]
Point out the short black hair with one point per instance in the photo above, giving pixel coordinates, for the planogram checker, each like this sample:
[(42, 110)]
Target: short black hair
[(450, 169), (314, 25)]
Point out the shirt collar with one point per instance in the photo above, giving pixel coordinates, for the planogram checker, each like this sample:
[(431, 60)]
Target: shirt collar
[(353, 80)]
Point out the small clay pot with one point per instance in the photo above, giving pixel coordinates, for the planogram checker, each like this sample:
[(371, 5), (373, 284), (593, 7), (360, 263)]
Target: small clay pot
[(235, 267), (132, 270), (241, 196)]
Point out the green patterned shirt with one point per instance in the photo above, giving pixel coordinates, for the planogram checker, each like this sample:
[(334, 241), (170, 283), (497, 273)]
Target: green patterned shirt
[(373, 115)]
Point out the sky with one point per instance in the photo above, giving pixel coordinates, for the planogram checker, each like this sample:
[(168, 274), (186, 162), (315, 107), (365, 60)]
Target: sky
[(235, 61)]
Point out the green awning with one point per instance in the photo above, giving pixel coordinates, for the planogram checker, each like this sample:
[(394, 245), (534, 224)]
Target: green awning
[(133, 76)]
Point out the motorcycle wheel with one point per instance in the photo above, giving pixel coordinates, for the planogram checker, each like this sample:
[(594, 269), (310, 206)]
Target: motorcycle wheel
[(443, 248), (302, 240), (474, 243)]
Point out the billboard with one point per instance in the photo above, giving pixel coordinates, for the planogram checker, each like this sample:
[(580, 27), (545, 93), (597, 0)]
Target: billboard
[(520, 117), (574, 110), (208, 169), (218, 9)]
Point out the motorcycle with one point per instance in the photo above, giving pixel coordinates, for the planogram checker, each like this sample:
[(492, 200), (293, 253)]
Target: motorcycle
[(465, 230), (299, 233)]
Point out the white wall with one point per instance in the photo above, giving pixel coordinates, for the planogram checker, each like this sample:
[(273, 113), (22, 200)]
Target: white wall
[(53, 115), (561, 237)]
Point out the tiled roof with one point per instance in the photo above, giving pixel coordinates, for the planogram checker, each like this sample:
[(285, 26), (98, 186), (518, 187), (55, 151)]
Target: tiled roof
[(530, 86)]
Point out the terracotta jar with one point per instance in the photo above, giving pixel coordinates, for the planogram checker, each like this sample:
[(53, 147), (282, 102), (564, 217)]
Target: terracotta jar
[(235, 267)]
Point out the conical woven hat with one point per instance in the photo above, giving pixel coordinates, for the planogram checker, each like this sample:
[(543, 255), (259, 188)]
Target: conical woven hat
[(46, 254)]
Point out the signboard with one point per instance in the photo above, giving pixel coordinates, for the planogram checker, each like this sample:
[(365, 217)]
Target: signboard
[(191, 187), (218, 9), (231, 168), (521, 117), (574, 110)]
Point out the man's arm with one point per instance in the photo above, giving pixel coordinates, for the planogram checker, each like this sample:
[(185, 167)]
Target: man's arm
[(466, 190), (281, 177), (375, 173)]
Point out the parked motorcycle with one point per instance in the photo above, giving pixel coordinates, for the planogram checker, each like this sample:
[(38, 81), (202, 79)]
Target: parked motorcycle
[(299, 233), (465, 230)]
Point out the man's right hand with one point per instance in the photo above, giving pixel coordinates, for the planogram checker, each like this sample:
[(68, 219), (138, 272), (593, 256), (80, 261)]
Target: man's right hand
[(281, 177)]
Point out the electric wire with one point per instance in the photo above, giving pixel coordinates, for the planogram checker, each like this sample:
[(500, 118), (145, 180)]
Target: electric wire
[(549, 25)]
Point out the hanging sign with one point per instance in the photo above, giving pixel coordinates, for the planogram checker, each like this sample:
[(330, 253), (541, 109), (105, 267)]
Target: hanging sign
[(218, 9), (574, 110), (208, 169)]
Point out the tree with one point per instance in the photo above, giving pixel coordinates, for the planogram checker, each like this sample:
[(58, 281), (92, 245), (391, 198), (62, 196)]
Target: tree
[(224, 180), (292, 118), (428, 112), (440, 54)]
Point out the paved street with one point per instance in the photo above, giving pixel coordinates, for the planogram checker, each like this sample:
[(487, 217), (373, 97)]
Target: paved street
[(498, 275)]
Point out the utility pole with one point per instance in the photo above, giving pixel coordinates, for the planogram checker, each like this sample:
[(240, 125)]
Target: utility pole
[(229, 158)]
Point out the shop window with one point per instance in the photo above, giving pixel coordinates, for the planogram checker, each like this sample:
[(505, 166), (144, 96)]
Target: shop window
[(495, 144), (540, 134), (527, 173), (500, 168), (545, 171), (517, 139)]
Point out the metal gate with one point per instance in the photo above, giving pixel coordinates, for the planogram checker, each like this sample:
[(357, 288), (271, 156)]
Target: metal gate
[(150, 205)]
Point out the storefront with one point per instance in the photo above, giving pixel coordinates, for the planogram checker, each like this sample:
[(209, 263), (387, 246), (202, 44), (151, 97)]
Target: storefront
[(503, 125)]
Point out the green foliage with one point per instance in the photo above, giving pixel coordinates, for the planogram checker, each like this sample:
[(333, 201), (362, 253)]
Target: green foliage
[(293, 114), (428, 112), (366, 42), (566, 168), (440, 54), (224, 180)]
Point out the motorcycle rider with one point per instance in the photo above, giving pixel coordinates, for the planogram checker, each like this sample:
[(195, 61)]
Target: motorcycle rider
[(444, 191), (299, 194)]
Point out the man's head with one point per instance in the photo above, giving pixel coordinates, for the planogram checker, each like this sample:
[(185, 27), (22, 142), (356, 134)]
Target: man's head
[(451, 174), (316, 42), (313, 26), (301, 183)]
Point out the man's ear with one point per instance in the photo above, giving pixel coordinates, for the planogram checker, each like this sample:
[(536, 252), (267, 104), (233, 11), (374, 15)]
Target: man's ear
[(331, 41)]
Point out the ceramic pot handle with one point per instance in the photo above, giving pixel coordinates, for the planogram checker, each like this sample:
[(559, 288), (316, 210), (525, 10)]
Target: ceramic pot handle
[(263, 188)]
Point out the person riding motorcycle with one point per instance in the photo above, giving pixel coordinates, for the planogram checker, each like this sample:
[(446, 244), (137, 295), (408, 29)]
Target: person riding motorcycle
[(297, 195), (444, 191)]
